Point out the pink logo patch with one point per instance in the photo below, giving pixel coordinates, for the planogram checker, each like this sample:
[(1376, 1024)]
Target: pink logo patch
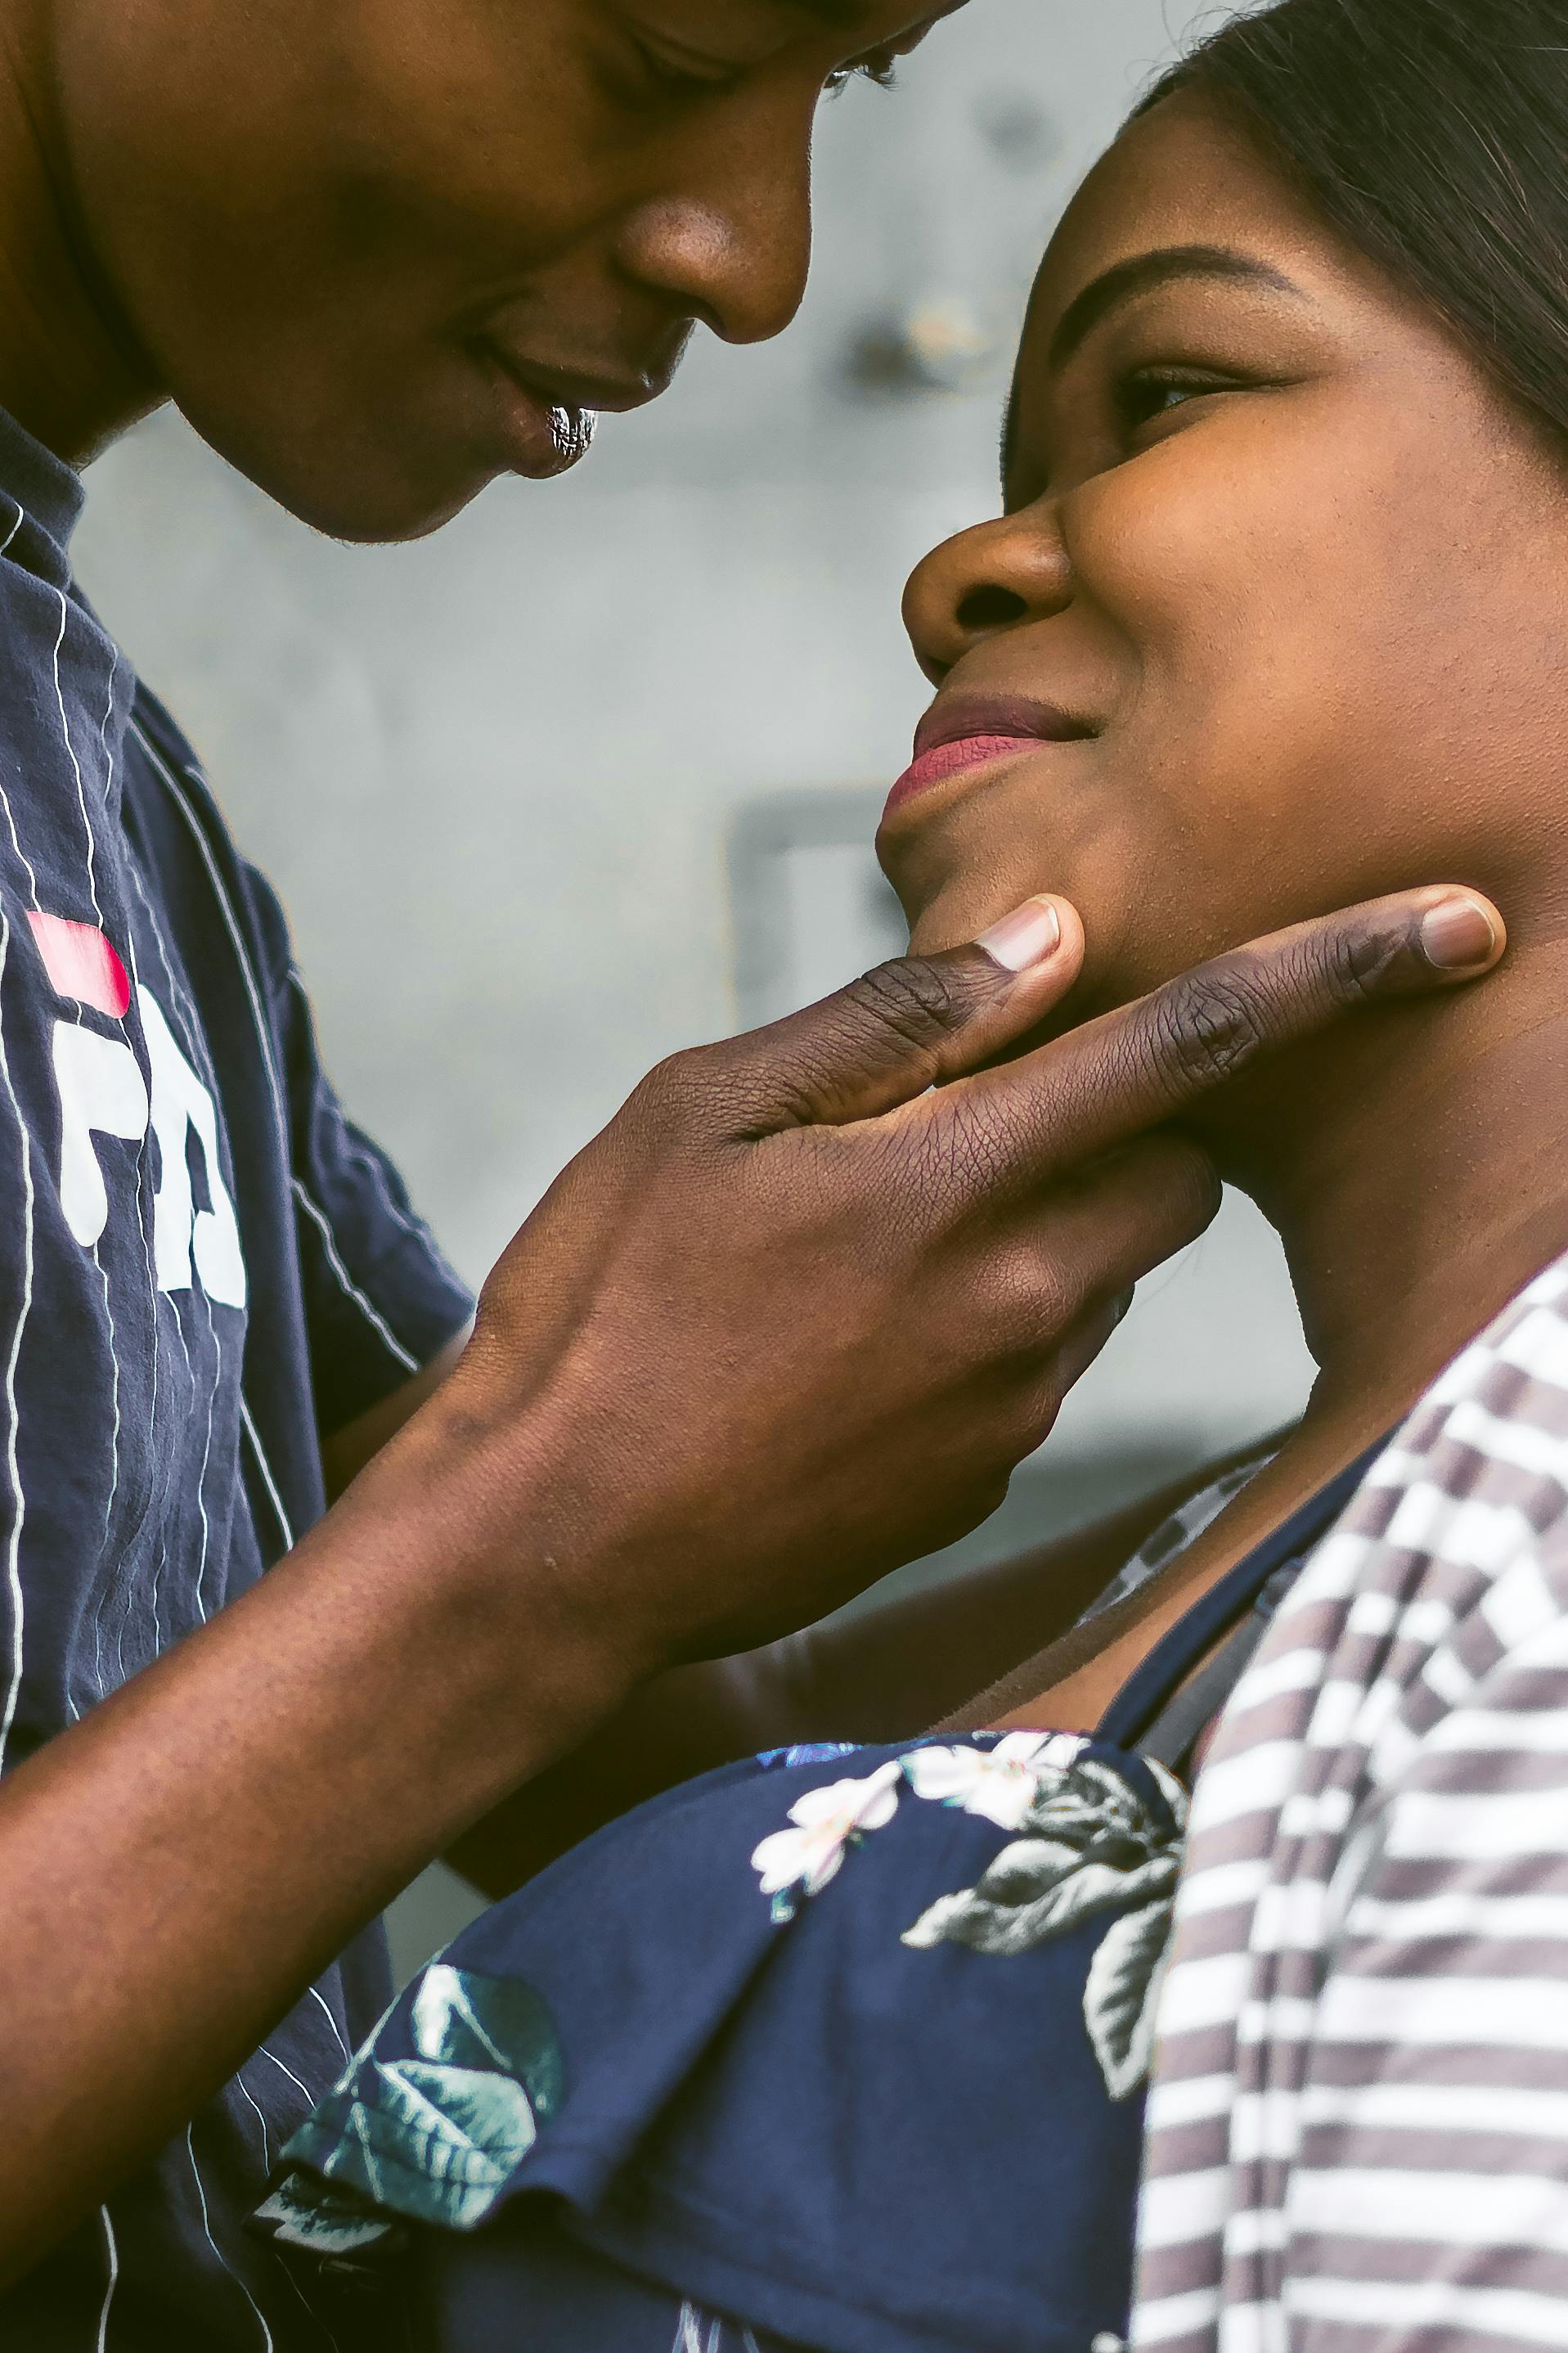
[(81, 962)]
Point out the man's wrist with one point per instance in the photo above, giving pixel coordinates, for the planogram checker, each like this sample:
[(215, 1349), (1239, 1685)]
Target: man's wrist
[(494, 1562)]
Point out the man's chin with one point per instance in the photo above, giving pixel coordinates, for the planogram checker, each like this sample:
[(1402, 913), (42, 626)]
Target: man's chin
[(373, 514), (349, 489)]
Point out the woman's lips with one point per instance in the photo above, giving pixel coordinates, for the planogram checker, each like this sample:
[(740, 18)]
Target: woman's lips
[(966, 730), (951, 759)]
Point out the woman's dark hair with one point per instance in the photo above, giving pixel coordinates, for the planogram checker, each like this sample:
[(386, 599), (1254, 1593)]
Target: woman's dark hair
[(1434, 135)]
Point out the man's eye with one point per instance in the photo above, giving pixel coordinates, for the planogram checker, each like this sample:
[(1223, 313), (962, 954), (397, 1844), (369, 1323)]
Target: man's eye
[(684, 75), (880, 66)]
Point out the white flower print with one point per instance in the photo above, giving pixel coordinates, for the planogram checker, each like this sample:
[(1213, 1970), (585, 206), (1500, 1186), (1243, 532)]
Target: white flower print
[(1001, 1783), (795, 1863)]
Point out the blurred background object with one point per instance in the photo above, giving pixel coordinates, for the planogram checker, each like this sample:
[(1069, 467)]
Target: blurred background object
[(592, 774)]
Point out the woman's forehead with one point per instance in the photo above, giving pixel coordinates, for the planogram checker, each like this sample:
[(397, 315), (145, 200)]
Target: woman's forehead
[(1182, 175)]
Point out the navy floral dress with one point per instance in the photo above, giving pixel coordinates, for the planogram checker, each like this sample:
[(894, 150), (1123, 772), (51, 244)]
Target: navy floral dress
[(774, 2021), (842, 2048)]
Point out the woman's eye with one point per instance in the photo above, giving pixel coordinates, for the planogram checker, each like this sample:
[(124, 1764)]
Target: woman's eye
[(1150, 393)]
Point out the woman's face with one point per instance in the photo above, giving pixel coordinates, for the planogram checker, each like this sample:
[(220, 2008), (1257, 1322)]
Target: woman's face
[(1277, 616)]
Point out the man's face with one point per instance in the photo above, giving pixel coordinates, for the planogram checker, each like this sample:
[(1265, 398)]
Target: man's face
[(381, 251)]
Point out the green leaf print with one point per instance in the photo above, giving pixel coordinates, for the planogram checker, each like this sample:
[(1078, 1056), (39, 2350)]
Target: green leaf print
[(1091, 1846), (329, 2220), (474, 2022), (437, 2135), (1027, 1868), (436, 2141), (1122, 1996)]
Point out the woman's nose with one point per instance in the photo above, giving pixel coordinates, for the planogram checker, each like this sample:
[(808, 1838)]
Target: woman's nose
[(990, 578)]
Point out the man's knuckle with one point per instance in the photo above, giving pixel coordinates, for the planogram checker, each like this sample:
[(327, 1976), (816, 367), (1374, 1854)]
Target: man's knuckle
[(916, 1000), (1177, 1169), (1328, 967), (1059, 1295), (679, 1088), (1359, 960), (1209, 1028)]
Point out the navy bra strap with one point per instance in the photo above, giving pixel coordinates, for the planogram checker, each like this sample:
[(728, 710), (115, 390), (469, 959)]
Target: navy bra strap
[(1153, 1683)]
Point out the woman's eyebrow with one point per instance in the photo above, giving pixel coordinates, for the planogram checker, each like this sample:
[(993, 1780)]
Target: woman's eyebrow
[(1145, 271)]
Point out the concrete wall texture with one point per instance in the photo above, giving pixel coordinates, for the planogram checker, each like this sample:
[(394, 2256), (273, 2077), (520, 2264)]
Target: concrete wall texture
[(499, 778)]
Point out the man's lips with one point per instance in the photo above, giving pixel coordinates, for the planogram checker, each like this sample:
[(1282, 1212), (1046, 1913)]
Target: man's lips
[(965, 732), (547, 415), (574, 388)]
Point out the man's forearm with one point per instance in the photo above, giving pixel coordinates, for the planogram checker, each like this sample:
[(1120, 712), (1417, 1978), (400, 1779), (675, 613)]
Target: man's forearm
[(881, 1674), (181, 1864)]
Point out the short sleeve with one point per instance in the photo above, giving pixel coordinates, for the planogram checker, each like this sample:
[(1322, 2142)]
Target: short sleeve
[(380, 1300)]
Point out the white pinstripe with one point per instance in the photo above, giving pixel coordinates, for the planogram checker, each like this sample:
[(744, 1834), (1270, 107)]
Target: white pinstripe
[(13, 1411), (400, 1217), (155, 1301), (12, 1405), (223, 2258), (113, 1489), (195, 1047), (76, 763), (242, 2088), (285, 1526), (320, 1998), (231, 923), (310, 2097), (236, 938), (346, 1282), (111, 2257)]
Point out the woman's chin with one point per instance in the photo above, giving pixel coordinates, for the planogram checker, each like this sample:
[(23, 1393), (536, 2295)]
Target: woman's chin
[(964, 908)]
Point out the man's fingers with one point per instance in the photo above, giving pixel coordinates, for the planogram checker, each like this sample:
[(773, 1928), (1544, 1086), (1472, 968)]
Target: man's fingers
[(908, 1026), (1075, 1252), (1130, 1211), (1143, 1064), (1091, 1237)]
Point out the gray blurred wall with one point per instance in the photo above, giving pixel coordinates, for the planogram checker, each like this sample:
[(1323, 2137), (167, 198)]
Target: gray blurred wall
[(590, 775)]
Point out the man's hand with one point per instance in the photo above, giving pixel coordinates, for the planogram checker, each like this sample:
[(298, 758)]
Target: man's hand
[(791, 1317), (798, 1314)]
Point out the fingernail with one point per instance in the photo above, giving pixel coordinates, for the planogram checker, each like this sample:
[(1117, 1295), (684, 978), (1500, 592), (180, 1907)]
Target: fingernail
[(1458, 934), (1028, 935)]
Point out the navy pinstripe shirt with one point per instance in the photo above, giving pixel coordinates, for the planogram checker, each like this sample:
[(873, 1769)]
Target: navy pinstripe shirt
[(204, 1269)]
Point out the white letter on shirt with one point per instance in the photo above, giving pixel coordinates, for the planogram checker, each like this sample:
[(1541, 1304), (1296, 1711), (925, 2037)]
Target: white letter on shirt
[(179, 1104), (103, 1092)]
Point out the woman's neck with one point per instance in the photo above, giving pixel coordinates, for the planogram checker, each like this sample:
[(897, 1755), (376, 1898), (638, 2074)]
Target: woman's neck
[(1415, 1169)]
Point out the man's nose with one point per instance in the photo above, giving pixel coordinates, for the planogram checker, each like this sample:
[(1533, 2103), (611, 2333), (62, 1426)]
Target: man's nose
[(988, 578), (735, 251)]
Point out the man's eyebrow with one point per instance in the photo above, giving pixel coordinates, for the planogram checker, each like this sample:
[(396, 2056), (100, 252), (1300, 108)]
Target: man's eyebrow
[(1156, 269)]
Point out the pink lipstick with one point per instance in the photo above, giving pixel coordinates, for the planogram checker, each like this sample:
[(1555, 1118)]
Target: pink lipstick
[(960, 733)]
